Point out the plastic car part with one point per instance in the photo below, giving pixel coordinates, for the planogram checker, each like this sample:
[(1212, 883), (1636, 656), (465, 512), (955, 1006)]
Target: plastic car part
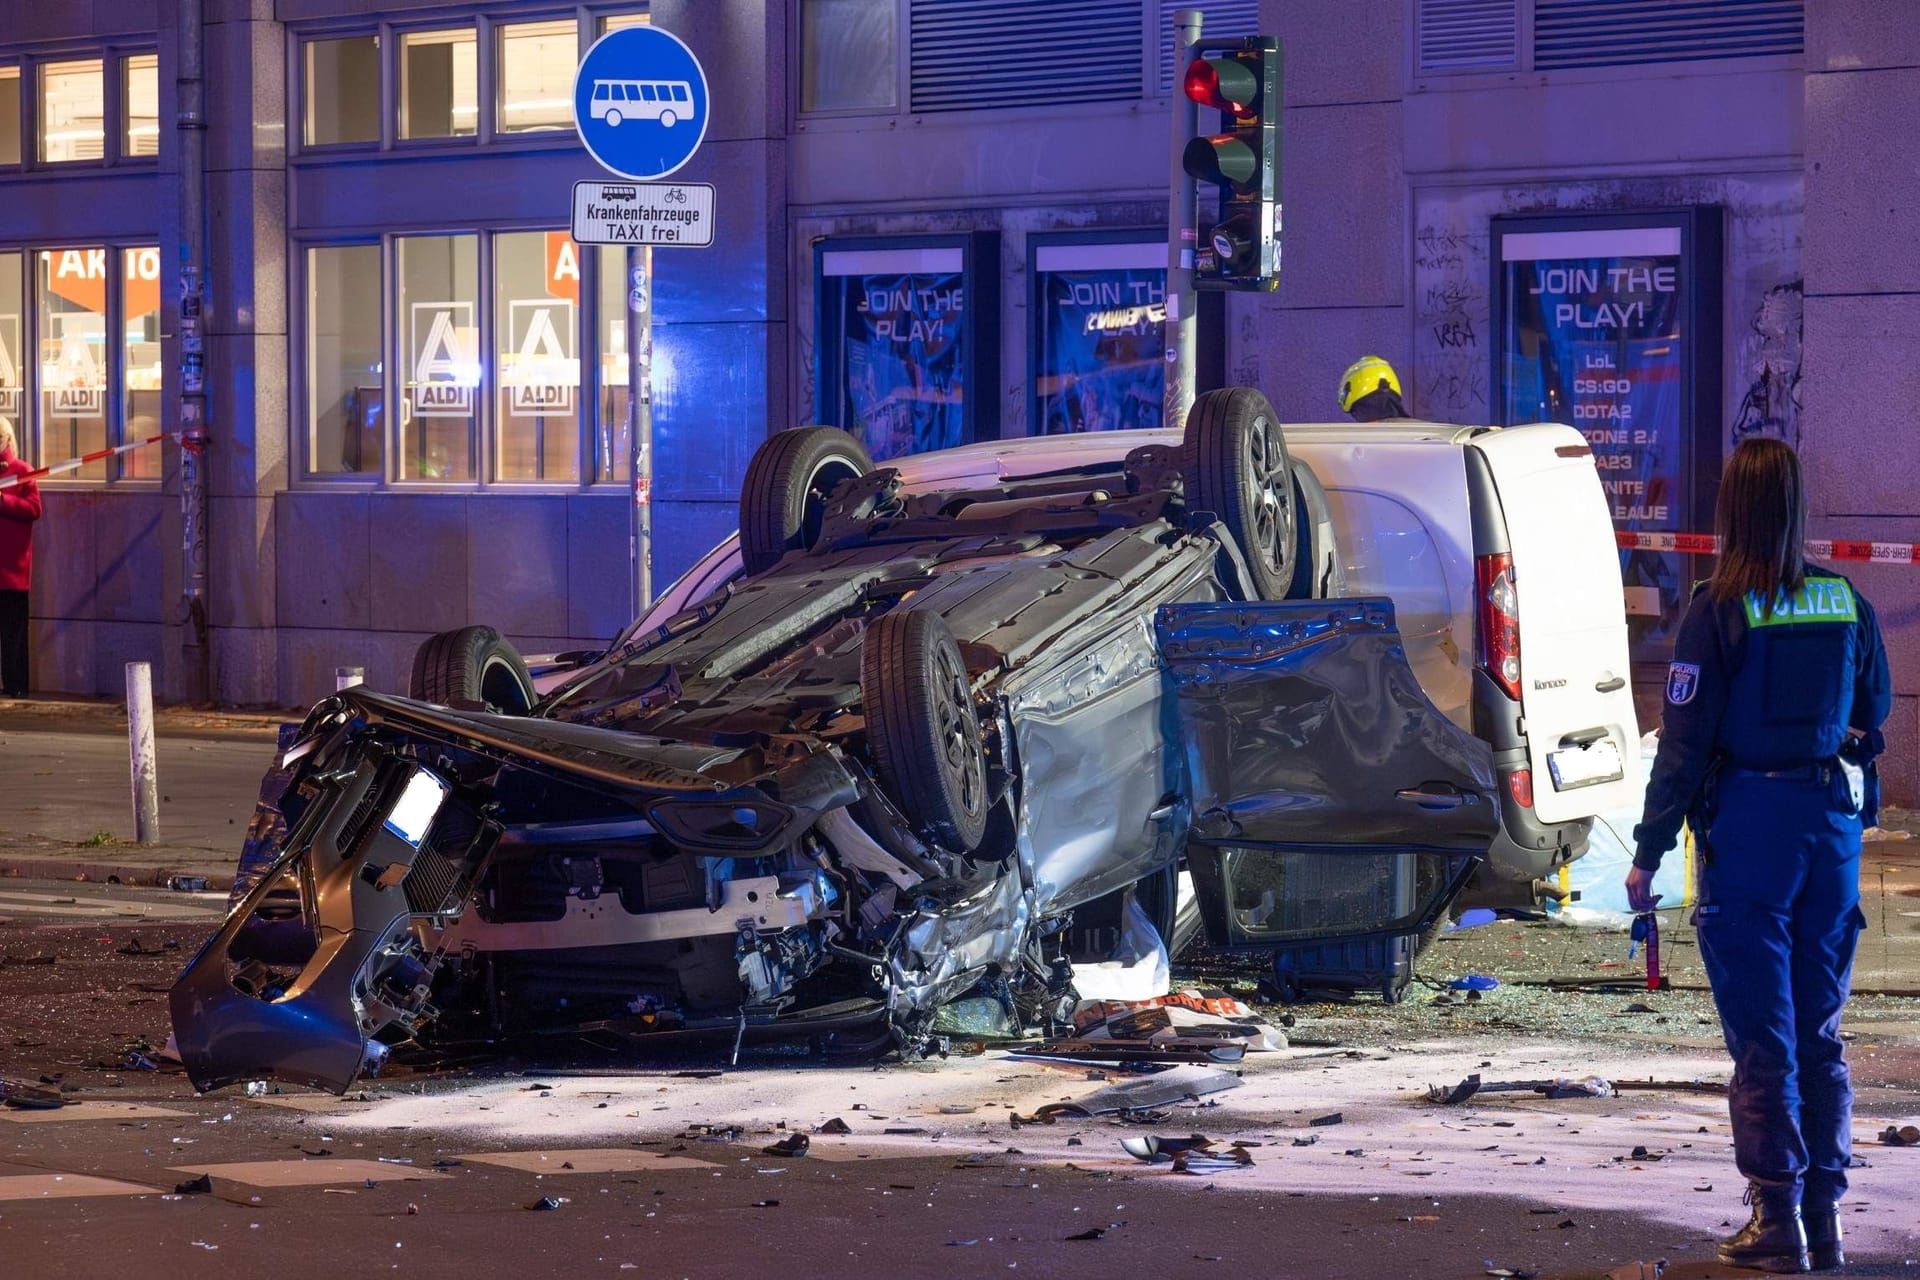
[(1237, 467), (784, 496), (922, 728), (470, 666)]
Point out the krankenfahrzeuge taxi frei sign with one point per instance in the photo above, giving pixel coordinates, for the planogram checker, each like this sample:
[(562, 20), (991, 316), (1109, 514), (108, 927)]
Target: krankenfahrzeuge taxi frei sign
[(640, 105)]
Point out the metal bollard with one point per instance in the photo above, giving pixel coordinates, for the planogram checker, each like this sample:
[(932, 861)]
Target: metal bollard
[(146, 779), (347, 677)]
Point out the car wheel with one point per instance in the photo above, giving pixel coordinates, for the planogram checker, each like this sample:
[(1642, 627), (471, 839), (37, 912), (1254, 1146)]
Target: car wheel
[(613, 119), (921, 726), (1237, 467), (473, 664), (784, 497)]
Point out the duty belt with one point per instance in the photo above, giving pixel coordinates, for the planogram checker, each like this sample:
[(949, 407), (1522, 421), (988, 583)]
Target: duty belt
[(1821, 773)]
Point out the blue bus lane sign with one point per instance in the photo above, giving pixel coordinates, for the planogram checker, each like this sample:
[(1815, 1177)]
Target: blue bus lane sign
[(640, 103)]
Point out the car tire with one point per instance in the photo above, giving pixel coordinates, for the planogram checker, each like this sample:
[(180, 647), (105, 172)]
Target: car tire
[(1236, 466), (785, 493), (472, 665), (922, 729)]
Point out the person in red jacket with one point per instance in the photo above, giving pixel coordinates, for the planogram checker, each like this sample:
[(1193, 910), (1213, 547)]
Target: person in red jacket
[(19, 508)]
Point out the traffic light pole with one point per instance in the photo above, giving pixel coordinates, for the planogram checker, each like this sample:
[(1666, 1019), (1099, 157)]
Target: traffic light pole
[(1182, 331)]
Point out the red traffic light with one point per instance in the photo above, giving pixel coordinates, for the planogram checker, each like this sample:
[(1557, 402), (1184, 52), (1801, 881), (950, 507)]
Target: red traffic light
[(1225, 84)]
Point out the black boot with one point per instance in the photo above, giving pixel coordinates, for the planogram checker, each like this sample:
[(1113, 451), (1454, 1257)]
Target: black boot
[(1773, 1239), (1823, 1235)]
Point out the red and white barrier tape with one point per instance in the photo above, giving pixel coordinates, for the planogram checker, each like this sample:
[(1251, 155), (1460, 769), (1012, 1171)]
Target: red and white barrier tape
[(74, 464), (1706, 544)]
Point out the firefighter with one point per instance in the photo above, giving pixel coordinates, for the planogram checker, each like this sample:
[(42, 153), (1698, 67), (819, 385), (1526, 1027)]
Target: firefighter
[(1774, 703), (1370, 391)]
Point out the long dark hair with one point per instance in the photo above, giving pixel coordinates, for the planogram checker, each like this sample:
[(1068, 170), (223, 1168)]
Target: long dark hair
[(1761, 523)]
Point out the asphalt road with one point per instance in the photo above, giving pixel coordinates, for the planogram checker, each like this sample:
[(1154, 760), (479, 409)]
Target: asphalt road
[(74, 788), (657, 1166)]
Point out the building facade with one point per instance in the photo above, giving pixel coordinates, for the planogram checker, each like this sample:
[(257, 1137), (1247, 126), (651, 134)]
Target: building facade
[(1675, 223)]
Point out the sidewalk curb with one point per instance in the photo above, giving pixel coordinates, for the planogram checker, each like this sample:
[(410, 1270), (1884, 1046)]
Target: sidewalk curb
[(218, 873)]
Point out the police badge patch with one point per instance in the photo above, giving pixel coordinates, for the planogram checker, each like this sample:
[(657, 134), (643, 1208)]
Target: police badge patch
[(1683, 681)]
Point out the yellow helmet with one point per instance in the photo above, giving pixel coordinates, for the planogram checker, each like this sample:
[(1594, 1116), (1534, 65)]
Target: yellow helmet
[(1364, 377)]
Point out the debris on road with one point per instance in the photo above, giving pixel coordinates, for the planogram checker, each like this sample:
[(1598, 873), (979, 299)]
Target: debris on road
[(187, 884), (14, 962), (545, 1203), (1332, 1117), (1195, 1154), (792, 1145), (135, 947), (1091, 1233), (1902, 1136), (1136, 1052), (834, 1126), (200, 1186), (1177, 1084), (21, 1096), (1566, 1087), (1180, 1017)]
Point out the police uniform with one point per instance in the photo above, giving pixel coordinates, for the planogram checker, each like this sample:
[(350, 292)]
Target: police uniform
[(1759, 700)]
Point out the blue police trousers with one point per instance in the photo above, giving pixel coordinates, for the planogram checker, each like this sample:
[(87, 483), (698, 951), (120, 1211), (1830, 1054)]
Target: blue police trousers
[(1779, 916)]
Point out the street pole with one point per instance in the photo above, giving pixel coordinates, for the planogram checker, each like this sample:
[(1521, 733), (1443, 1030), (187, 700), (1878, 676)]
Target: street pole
[(640, 418), (1182, 218), (192, 127)]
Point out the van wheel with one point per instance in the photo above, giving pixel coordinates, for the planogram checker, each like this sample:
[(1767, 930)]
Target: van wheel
[(784, 497), (1237, 467), (922, 728), (470, 666)]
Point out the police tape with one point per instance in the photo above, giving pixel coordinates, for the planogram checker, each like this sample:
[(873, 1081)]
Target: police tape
[(74, 464), (1705, 544)]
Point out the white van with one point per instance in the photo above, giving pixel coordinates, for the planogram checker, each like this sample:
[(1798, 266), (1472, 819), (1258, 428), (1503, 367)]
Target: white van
[(1497, 549)]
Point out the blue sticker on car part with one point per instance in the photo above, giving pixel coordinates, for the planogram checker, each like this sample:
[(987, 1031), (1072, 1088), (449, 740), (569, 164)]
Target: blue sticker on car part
[(1683, 681)]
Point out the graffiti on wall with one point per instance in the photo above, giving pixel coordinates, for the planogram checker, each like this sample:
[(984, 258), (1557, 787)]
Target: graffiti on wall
[(1770, 361)]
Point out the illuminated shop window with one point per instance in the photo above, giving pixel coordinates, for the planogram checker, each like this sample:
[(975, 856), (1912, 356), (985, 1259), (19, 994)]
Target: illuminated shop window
[(345, 418), (442, 380), (70, 293), (140, 106), (140, 364), (848, 55), (536, 305), (9, 115), (13, 357), (439, 84), (610, 460), (342, 90), (535, 76), (73, 99)]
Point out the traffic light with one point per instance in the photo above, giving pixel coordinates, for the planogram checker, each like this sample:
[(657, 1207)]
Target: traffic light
[(1242, 249)]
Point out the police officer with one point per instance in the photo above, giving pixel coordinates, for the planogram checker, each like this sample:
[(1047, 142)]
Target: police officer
[(1774, 704), (1370, 391)]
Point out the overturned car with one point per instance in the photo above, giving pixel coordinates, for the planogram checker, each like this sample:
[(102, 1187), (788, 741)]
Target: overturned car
[(883, 770)]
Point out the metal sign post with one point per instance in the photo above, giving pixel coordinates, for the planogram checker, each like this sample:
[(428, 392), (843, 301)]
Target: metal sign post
[(1182, 330), (640, 418), (641, 106)]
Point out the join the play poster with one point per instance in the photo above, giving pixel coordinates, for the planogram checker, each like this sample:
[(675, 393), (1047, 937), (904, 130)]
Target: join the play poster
[(1601, 328)]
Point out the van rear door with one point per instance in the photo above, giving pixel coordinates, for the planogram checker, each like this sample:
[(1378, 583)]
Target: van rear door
[(1576, 691)]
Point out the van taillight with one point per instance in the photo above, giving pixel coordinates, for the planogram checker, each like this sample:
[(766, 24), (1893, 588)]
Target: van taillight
[(1520, 784), (1499, 618)]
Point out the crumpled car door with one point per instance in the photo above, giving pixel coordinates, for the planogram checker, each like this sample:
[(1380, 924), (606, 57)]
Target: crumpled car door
[(1332, 801)]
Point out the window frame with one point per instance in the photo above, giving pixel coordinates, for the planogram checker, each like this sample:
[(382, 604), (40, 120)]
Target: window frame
[(485, 22), (393, 352), (23, 113), (112, 55), (392, 74), (31, 435)]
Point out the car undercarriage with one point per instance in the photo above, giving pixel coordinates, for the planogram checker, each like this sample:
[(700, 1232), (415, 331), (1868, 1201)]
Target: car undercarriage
[(876, 776)]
